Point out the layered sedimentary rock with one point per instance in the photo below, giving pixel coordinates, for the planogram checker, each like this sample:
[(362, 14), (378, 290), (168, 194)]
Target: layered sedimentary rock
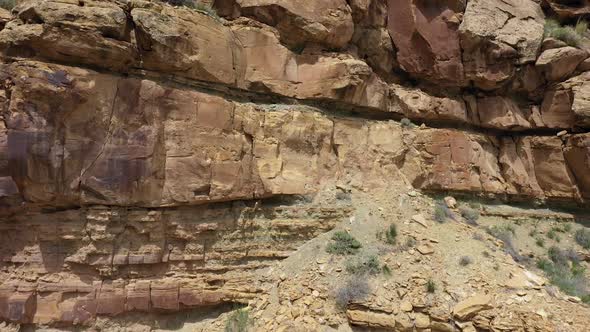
[(149, 153), (139, 260)]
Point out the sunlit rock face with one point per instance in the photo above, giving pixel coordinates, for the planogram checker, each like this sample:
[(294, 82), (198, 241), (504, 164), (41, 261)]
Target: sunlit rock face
[(157, 158)]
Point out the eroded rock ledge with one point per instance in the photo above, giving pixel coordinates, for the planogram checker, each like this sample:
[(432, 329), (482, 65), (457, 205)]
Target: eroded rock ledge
[(125, 188)]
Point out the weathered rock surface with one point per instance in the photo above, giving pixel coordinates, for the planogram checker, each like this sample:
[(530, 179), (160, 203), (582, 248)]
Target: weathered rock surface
[(328, 23), (559, 63), (152, 156), (496, 36), (569, 9), (136, 260), (427, 38), (567, 104)]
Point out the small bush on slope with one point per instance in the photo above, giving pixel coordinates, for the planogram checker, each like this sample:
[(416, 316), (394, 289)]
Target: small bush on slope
[(7, 4), (582, 237), (570, 35), (364, 265), (238, 321), (343, 244), (355, 289)]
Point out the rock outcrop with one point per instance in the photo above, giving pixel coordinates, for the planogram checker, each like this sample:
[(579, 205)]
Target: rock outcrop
[(156, 158)]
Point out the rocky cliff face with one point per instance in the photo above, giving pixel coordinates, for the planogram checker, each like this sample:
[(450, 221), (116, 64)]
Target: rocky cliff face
[(144, 147)]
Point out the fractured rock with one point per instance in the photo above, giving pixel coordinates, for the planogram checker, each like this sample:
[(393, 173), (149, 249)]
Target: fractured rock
[(469, 307), (559, 63)]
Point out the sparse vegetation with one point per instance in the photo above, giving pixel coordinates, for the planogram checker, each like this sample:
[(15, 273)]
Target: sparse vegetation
[(552, 234), (442, 212), (343, 244), (389, 235), (564, 271), (386, 270), (410, 242), (364, 265), (540, 242), (470, 215), (572, 36), (582, 237), (465, 260), (407, 123), (430, 286), (355, 289), (505, 234), (238, 321), (7, 4)]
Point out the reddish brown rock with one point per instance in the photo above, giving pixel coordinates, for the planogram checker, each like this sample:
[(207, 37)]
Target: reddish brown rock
[(497, 35), (569, 9), (301, 22), (185, 42), (552, 172), (559, 63), (111, 299), (501, 113), (456, 161), (577, 156), (518, 169), (68, 32), (417, 104), (568, 103), (427, 39)]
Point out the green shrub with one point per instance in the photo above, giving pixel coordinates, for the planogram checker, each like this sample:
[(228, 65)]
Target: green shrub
[(386, 270), (470, 215), (557, 256), (552, 234), (364, 265), (430, 286), (581, 27), (355, 289), (582, 237), (407, 123), (569, 35), (442, 212), (238, 321), (391, 234), (570, 280), (343, 244), (540, 242), (7, 4)]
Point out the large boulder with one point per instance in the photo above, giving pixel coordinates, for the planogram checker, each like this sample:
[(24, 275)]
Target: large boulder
[(559, 63), (567, 104), (427, 38), (300, 22), (271, 67), (496, 35), (188, 43), (95, 33), (501, 113), (419, 105)]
